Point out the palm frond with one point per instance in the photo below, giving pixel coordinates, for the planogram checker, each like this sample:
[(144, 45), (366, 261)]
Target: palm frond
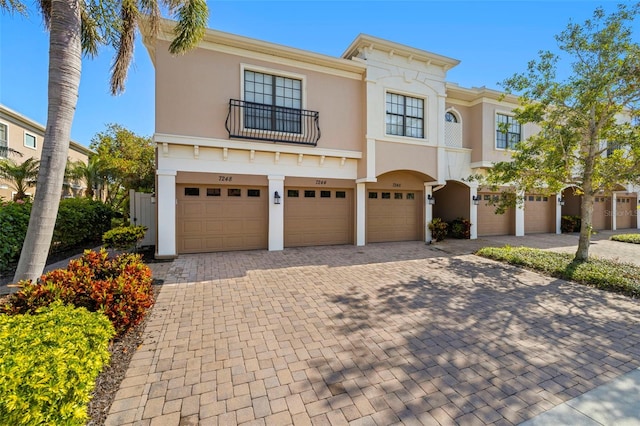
[(191, 26), (45, 9), (13, 6), (89, 34), (151, 9), (129, 15), (5, 151)]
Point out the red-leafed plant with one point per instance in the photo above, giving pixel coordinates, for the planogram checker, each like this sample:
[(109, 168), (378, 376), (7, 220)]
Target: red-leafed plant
[(118, 287)]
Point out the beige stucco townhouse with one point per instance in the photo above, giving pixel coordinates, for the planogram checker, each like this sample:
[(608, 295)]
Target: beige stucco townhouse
[(263, 146), (25, 136)]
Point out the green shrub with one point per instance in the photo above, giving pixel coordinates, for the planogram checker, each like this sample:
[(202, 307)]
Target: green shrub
[(14, 220), (626, 238), (80, 220), (119, 287), (460, 228), (49, 364), (438, 229), (570, 224), (600, 273), (124, 237)]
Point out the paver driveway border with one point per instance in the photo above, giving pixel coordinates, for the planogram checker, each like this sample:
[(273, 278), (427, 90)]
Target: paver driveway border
[(389, 333)]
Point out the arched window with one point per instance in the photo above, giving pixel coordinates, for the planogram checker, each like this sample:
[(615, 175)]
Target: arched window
[(450, 117)]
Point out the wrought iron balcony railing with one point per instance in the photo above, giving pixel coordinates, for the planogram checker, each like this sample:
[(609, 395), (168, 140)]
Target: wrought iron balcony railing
[(249, 120)]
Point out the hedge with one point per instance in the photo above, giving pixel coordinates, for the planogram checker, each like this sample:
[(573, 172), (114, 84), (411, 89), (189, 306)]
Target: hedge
[(600, 273), (626, 238), (80, 221)]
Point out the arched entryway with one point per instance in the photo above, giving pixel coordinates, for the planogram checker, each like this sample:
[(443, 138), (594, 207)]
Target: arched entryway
[(452, 201)]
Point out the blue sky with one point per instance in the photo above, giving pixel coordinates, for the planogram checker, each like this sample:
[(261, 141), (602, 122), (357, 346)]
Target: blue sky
[(493, 39)]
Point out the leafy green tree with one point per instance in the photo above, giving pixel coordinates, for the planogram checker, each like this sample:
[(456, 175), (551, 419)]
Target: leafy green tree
[(127, 162), (77, 27), (594, 110), (19, 176)]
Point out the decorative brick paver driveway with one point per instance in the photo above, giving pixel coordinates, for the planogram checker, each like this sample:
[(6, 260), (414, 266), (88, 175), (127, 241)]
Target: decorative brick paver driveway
[(383, 334)]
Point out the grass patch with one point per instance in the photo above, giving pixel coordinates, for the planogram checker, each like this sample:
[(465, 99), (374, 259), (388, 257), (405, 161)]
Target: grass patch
[(626, 238), (604, 274)]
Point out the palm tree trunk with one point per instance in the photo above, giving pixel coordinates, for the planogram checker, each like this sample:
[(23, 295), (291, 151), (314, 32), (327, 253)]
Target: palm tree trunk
[(65, 60)]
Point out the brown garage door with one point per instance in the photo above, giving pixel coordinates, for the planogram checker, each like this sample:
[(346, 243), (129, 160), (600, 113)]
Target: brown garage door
[(601, 218), (394, 215), (490, 223), (625, 212), (211, 218), (314, 217), (539, 214)]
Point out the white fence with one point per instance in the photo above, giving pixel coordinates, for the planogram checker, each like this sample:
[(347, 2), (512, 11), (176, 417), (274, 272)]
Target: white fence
[(142, 211)]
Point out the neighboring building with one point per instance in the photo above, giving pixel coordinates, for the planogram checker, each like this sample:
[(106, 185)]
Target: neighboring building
[(262, 146), (24, 135)]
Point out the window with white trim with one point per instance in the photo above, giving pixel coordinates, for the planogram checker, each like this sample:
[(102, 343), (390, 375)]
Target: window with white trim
[(272, 102), (29, 140), (405, 116), (508, 131), (4, 140)]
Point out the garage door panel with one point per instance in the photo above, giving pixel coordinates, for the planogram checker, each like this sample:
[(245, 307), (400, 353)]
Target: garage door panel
[(213, 226), (490, 223), (194, 208), (626, 212), (192, 244), (212, 210), (221, 223), (192, 227), (310, 221), (599, 218), (394, 219), (539, 214)]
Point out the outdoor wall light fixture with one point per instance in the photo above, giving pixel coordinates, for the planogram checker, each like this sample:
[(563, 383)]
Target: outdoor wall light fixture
[(276, 198), (476, 199), (430, 199), (561, 201)]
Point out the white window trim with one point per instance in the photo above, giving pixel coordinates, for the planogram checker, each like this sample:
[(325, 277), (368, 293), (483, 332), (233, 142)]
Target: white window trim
[(406, 139), (6, 135), (24, 140), (495, 130), (278, 73)]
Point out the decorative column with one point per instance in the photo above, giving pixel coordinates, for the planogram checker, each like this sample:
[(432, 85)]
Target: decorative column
[(614, 211), (473, 211), (520, 215), (428, 212), (166, 205), (637, 210), (559, 204), (361, 214), (276, 213)]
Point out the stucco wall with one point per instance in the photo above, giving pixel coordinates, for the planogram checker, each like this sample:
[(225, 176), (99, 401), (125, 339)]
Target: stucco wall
[(193, 92)]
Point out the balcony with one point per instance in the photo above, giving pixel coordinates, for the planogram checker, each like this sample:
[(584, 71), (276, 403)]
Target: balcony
[(249, 120)]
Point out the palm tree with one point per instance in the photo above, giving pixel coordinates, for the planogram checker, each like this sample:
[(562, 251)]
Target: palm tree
[(77, 27), (19, 176), (90, 173)]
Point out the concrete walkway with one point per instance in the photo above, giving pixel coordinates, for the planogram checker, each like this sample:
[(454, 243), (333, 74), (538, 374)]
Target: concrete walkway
[(395, 333)]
